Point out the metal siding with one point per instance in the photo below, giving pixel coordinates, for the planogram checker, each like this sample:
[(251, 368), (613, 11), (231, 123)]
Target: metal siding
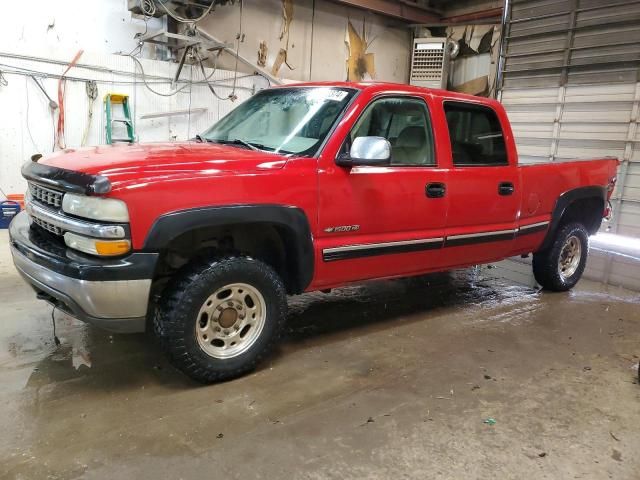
[(571, 86)]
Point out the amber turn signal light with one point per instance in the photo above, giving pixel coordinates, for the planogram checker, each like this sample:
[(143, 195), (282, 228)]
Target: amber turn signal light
[(112, 248)]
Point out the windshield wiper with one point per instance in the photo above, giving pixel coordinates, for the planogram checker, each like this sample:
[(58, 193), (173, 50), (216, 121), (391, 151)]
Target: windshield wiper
[(238, 141)]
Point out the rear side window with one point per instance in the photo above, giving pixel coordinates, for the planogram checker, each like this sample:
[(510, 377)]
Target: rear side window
[(475, 134)]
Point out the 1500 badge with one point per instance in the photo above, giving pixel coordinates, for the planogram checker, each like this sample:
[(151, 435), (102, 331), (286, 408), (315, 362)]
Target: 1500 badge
[(342, 228)]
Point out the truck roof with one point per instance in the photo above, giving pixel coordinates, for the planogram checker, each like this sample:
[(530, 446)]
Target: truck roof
[(376, 87)]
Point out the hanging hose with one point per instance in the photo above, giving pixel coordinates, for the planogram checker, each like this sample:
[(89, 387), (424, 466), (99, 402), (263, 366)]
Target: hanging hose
[(60, 130), (92, 94)]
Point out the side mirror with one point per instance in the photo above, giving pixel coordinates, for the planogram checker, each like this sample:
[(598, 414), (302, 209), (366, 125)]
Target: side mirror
[(372, 151)]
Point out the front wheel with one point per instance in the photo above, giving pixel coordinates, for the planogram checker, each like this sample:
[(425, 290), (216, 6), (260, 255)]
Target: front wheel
[(559, 267), (219, 318)]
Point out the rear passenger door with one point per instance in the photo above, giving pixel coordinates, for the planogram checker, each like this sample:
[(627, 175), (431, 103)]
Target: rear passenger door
[(483, 186)]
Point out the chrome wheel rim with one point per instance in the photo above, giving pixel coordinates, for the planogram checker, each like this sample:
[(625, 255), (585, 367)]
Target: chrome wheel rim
[(231, 320), (570, 256)]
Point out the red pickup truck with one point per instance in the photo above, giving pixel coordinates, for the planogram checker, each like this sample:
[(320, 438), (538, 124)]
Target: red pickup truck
[(300, 188)]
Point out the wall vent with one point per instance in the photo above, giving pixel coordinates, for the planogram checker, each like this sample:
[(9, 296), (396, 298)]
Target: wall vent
[(429, 63)]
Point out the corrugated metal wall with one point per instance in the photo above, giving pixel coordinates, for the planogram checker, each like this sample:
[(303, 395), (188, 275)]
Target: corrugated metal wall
[(571, 85)]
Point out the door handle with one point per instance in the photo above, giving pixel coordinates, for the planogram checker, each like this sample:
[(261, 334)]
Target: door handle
[(505, 188), (435, 190)]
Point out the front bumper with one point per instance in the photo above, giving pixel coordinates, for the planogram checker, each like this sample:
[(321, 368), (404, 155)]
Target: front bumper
[(111, 294)]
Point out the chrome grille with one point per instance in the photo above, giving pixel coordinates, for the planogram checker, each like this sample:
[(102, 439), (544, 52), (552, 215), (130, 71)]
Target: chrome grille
[(47, 226), (47, 196)]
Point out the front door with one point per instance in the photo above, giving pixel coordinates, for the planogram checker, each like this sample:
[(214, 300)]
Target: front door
[(384, 221)]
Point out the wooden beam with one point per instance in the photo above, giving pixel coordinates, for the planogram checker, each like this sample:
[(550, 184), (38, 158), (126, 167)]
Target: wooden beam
[(395, 9), (469, 18)]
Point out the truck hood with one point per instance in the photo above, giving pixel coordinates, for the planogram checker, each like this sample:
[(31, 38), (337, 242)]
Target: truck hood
[(124, 164)]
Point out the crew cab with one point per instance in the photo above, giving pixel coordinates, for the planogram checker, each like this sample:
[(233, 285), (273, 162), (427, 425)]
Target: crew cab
[(300, 188)]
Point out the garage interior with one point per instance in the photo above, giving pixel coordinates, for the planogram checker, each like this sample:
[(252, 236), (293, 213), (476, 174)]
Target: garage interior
[(474, 373)]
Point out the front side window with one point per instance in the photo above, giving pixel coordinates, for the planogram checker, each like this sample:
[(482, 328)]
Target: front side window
[(475, 134), (404, 122), (283, 120)]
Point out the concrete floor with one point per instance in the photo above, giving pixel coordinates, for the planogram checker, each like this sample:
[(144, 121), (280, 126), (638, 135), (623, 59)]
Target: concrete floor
[(384, 380)]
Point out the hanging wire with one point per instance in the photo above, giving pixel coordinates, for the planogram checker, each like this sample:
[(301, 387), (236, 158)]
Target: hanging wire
[(146, 84), (137, 50), (26, 86), (148, 10), (219, 97)]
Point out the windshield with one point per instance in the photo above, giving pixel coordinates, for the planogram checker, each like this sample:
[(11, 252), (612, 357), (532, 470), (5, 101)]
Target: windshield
[(283, 120)]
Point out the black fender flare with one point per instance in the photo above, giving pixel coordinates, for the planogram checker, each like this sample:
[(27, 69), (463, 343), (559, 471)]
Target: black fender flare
[(564, 201), (291, 219)]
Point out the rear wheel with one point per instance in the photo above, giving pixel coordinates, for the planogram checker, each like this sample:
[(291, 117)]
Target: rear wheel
[(219, 318), (559, 267)]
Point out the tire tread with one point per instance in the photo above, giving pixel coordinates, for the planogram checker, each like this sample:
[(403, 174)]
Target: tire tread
[(173, 316), (545, 263)]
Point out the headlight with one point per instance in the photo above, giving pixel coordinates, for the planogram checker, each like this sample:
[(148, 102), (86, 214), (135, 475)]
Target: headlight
[(96, 246), (96, 208)]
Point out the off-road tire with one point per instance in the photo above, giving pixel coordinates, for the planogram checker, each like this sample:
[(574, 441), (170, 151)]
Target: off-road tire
[(545, 263), (177, 315)]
